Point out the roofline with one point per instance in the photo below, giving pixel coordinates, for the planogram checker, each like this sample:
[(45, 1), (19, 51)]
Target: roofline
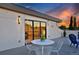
[(23, 10)]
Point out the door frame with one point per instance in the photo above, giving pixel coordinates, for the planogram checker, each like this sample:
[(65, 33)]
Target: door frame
[(33, 26)]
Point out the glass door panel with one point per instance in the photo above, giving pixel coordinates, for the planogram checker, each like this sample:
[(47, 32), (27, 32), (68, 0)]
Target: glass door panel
[(28, 31), (43, 29), (36, 30)]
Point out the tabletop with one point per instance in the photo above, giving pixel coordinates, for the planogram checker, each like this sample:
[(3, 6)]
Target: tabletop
[(39, 42)]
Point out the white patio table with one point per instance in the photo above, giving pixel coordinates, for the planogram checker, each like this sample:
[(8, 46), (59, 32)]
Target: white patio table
[(42, 43)]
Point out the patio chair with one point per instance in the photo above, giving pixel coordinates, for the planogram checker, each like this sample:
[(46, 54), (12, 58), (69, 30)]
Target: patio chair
[(58, 46), (78, 35), (73, 40), (29, 47), (55, 48)]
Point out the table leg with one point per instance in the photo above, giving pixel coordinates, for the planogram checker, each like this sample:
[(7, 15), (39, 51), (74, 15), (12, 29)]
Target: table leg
[(42, 50)]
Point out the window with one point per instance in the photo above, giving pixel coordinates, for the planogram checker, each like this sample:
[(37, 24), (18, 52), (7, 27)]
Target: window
[(34, 30)]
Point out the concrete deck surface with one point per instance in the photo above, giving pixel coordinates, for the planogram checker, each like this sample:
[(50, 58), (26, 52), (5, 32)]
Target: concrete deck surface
[(65, 49)]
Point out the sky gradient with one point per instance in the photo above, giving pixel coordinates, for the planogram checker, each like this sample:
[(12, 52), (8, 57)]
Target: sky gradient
[(58, 10)]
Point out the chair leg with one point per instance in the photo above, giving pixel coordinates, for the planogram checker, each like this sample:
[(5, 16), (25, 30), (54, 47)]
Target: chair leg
[(77, 46), (71, 44), (74, 44)]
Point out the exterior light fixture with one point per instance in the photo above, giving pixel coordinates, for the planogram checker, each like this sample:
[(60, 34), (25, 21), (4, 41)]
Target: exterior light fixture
[(19, 20)]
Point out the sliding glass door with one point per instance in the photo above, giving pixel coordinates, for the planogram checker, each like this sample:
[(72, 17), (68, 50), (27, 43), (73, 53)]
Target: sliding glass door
[(43, 29), (28, 31), (34, 30)]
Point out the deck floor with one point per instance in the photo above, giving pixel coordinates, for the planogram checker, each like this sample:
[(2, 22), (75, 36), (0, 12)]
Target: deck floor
[(34, 49)]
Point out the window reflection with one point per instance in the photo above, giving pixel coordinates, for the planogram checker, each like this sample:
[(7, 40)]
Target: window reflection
[(34, 30)]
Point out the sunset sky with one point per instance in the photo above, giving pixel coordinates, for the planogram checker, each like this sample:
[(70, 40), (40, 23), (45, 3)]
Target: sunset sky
[(58, 10)]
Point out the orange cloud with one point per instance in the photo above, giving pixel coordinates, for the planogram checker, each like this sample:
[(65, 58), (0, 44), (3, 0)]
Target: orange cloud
[(64, 14), (64, 23)]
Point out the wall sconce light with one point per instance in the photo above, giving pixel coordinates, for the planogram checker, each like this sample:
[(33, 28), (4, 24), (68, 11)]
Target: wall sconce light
[(19, 20)]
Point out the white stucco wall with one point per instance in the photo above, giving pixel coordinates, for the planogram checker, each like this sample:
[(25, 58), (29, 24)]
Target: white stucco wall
[(11, 32), (75, 32), (53, 30)]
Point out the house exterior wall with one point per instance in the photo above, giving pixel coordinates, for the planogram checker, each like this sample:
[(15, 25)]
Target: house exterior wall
[(12, 34), (53, 30), (75, 32)]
